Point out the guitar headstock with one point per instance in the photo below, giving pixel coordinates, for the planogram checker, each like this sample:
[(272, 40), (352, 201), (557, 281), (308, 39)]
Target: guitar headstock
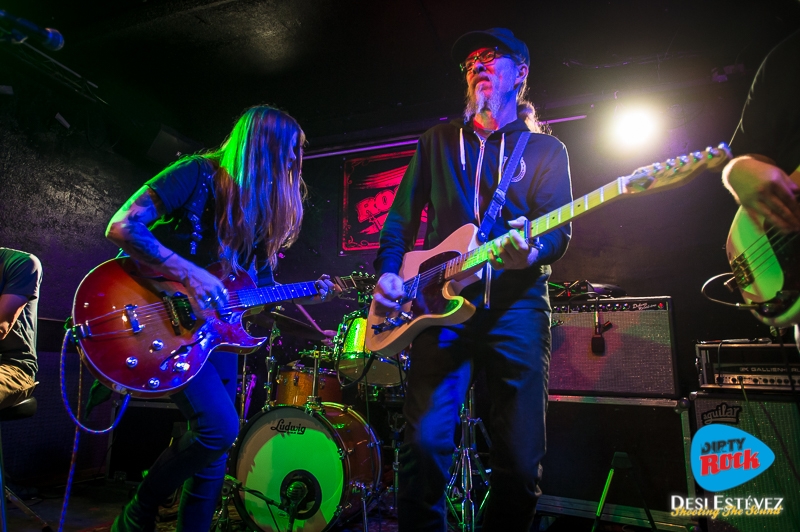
[(359, 281), (677, 171)]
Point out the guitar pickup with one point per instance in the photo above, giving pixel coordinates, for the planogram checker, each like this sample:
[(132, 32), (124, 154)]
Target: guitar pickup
[(133, 319), (391, 323)]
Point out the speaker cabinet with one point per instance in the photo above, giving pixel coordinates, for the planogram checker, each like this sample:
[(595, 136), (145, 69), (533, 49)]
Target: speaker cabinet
[(145, 430), (775, 421), (583, 433), (637, 358)]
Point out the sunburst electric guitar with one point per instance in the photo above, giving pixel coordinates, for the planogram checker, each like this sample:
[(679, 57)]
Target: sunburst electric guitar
[(432, 279), (766, 267), (139, 333)]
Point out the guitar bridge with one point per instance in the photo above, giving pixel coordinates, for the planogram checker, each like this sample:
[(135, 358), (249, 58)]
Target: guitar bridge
[(741, 271), (133, 318)]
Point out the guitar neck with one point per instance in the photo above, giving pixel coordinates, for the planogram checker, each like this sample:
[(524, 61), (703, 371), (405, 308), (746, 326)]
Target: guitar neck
[(270, 295), (473, 260)]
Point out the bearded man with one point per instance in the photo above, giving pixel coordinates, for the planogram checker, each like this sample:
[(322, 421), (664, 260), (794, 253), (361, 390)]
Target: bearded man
[(455, 172)]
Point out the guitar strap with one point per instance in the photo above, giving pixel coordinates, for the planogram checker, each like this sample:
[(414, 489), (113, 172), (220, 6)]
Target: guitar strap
[(499, 197)]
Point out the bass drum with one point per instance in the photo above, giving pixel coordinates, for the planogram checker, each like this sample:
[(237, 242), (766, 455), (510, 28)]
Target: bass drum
[(333, 453)]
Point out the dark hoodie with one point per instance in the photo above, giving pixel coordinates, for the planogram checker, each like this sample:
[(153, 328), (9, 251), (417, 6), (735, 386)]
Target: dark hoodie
[(442, 174)]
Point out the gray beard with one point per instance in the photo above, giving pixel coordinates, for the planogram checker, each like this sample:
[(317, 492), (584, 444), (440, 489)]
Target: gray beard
[(477, 103)]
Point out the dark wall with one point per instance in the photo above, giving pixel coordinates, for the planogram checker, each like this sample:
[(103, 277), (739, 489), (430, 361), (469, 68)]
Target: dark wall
[(59, 186)]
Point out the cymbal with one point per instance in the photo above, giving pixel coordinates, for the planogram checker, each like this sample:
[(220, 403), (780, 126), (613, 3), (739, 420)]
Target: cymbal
[(292, 327)]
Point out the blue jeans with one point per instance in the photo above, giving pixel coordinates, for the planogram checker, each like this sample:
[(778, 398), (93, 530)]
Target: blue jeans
[(513, 348), (197, 460)]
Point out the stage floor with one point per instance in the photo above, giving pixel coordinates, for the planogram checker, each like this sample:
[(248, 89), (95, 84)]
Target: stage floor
[(94, 504)]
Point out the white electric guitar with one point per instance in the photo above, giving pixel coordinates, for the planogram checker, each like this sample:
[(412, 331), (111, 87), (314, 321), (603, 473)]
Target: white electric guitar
[(433, 278)]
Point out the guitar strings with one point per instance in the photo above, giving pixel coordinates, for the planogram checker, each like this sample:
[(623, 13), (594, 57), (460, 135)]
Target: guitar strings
[(763, 245)]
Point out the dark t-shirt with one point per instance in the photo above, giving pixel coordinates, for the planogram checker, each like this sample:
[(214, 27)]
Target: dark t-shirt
[(770, 123), (177, 186), (21, 274)]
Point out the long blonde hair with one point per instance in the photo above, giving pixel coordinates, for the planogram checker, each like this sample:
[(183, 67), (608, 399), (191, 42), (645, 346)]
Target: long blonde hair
[(259, 198)]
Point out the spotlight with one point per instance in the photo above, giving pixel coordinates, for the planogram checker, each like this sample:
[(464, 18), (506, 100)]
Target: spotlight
[(634, 127)]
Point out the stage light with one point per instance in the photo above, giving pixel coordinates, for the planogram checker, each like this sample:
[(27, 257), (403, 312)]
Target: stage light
[(634, 127)]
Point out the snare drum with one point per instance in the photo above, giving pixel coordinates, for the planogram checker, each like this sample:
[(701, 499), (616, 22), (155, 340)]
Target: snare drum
[(296, 381), (353, 356), (333, 452)]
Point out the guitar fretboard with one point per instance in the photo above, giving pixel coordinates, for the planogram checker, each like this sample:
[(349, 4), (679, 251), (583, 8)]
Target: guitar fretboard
[(552, 220), (274, 294)]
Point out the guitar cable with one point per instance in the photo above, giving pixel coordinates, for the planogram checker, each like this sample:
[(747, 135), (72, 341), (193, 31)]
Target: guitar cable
[(743, 306), (75, 419)]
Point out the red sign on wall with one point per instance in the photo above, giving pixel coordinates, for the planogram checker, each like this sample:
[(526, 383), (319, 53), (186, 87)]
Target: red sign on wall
[(370, 184)]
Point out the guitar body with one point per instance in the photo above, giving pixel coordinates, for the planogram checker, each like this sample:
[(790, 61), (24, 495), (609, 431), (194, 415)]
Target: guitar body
[(436, 304), (135, 341), (766, 265)]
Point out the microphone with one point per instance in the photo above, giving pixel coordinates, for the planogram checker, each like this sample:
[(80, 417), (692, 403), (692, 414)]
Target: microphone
[(598, 342), (295, 493), (48, 37)]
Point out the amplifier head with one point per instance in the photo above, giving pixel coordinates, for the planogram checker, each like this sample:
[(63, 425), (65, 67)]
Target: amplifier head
[(755, 366)]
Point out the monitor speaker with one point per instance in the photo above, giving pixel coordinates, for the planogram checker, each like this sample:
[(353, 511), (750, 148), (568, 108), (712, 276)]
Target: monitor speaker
[(584, 433), (635, 356)]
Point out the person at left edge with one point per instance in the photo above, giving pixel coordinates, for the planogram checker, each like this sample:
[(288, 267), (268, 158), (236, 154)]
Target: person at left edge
[(20, 278), (239, 204)]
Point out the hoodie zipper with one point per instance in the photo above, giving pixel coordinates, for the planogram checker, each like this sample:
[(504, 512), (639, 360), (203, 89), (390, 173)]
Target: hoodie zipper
[(487, 269)]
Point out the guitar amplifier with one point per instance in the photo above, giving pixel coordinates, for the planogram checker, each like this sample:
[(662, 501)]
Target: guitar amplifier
[(638, 355), (756, 366)]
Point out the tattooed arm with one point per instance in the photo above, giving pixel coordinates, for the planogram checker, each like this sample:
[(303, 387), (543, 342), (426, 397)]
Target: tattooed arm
[(129, 229)]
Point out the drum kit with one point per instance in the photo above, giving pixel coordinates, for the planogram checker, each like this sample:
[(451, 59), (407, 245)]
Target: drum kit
[(308, 460)]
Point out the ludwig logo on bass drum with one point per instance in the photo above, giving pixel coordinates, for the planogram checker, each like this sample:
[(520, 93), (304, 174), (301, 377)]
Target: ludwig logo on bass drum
[(288, 428)]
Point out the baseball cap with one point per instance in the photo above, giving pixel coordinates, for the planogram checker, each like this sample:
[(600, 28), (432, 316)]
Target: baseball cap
[(492, 37)]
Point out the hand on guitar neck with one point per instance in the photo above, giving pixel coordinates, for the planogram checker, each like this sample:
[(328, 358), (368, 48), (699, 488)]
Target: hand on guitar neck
[(765, 190), (512, 251)]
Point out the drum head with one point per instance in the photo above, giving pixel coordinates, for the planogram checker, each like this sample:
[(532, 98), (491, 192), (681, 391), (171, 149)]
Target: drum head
[(278, 449)]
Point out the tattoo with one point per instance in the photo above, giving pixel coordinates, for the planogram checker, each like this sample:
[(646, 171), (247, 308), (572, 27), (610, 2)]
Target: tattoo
[(132, 221), (144, 244)]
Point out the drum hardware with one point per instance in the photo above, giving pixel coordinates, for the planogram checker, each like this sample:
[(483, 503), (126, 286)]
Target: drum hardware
[(466, 463), (396, 427)]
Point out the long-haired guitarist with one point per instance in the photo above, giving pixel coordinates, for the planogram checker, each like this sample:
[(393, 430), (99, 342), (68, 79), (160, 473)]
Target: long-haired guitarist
[(239, 204), (454, 172)]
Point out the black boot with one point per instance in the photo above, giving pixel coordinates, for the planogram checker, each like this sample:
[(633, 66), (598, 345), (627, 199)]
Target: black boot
[(135, 517)]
